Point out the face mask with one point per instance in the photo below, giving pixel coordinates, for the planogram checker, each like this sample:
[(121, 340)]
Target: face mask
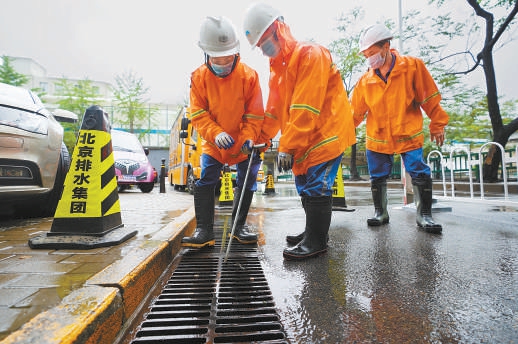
[(270, 48), (376, 61), (222, 70)]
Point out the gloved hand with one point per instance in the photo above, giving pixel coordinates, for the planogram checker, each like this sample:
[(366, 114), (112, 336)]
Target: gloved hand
[(284, 161), (247, 147), (224, 140)]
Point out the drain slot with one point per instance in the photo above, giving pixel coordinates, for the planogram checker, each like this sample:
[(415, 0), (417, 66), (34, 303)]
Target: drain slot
[(209, 301)]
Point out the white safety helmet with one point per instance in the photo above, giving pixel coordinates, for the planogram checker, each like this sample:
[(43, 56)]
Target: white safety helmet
[(374, 34), (258, 18), (218, 37)]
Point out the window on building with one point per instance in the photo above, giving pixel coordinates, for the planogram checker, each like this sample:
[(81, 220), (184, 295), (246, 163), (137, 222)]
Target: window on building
[(44, 86)]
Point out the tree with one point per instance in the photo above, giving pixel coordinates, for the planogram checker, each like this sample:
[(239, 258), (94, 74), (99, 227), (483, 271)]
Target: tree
[(130, 101), (493, 33), (9, 76), (75, 97)]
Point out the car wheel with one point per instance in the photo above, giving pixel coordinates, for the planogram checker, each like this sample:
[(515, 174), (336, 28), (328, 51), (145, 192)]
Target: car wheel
[(191, 182), (50, 204), (146, 187)]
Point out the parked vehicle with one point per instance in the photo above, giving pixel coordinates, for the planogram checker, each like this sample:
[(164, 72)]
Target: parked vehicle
[(33, 157), (132, 166), (184, 154)]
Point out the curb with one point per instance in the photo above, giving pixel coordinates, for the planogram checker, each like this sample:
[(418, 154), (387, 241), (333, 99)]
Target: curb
[(98, 311)]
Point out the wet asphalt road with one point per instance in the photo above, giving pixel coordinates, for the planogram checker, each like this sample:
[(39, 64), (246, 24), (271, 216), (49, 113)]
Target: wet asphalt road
[(395, 284)]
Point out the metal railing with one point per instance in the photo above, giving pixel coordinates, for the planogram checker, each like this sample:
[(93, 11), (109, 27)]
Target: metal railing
[(436, 152), (468, 164)]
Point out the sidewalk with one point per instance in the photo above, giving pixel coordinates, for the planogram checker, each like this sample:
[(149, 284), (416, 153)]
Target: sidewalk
[(87, 296)]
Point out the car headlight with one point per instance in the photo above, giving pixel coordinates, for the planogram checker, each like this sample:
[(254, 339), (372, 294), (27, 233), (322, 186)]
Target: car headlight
[(24, 120)]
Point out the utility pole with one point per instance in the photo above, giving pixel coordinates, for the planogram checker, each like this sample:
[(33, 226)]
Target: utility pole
[(405, 177), (400, 22)]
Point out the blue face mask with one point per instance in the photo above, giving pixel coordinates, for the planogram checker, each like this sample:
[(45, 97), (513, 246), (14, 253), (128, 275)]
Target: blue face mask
[(270, 48), (222, 70)]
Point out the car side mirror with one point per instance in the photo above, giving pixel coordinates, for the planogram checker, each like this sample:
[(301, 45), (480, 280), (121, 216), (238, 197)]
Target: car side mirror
[(62, 115), (146, 150)]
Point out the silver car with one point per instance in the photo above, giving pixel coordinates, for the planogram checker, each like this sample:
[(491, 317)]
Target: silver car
[(33, 157)]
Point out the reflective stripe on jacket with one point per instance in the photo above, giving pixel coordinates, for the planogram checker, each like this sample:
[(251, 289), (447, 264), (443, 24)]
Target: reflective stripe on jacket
[(233, 104), (308, 102), (393, 109)]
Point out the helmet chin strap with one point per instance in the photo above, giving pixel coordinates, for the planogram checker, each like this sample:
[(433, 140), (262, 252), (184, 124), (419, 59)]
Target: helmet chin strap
[(207, 63)]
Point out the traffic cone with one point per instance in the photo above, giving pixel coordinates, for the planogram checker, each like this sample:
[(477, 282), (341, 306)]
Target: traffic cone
[(88, 213), (226, 195), (339, 203), (269, 188)]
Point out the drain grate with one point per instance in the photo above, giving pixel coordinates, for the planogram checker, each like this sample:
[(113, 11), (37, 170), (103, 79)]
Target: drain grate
[(207, 300)]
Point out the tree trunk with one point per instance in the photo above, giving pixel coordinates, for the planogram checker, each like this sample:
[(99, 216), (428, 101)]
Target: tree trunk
[(491, 163), (501, 133), (494, 156)]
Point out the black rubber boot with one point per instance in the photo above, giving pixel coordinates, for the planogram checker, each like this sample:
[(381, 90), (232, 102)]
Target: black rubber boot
[(295, 239), (241, 232), (379, 197), (423, 200), (318, 220), (204, 212)]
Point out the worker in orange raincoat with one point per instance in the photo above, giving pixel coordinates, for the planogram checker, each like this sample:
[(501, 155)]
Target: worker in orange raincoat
[(307, 101), (226, 108), (391, 94)]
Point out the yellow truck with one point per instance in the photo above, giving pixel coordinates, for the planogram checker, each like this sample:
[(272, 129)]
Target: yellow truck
[(184, 154)]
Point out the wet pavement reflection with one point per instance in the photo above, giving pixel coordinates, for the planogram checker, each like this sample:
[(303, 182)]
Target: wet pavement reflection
[(394, 283)]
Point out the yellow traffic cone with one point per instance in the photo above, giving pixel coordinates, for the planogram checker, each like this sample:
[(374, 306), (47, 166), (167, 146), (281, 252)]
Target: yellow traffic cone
[(226, 195), (339, 203), (88, 213), (269, 188)]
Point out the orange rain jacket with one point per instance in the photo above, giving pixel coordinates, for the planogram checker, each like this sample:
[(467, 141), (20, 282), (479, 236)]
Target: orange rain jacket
[(308, 103), (393, 109), (233, 104)]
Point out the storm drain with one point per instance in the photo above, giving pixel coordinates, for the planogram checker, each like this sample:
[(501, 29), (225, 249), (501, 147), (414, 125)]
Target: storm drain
[(207, 300)]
